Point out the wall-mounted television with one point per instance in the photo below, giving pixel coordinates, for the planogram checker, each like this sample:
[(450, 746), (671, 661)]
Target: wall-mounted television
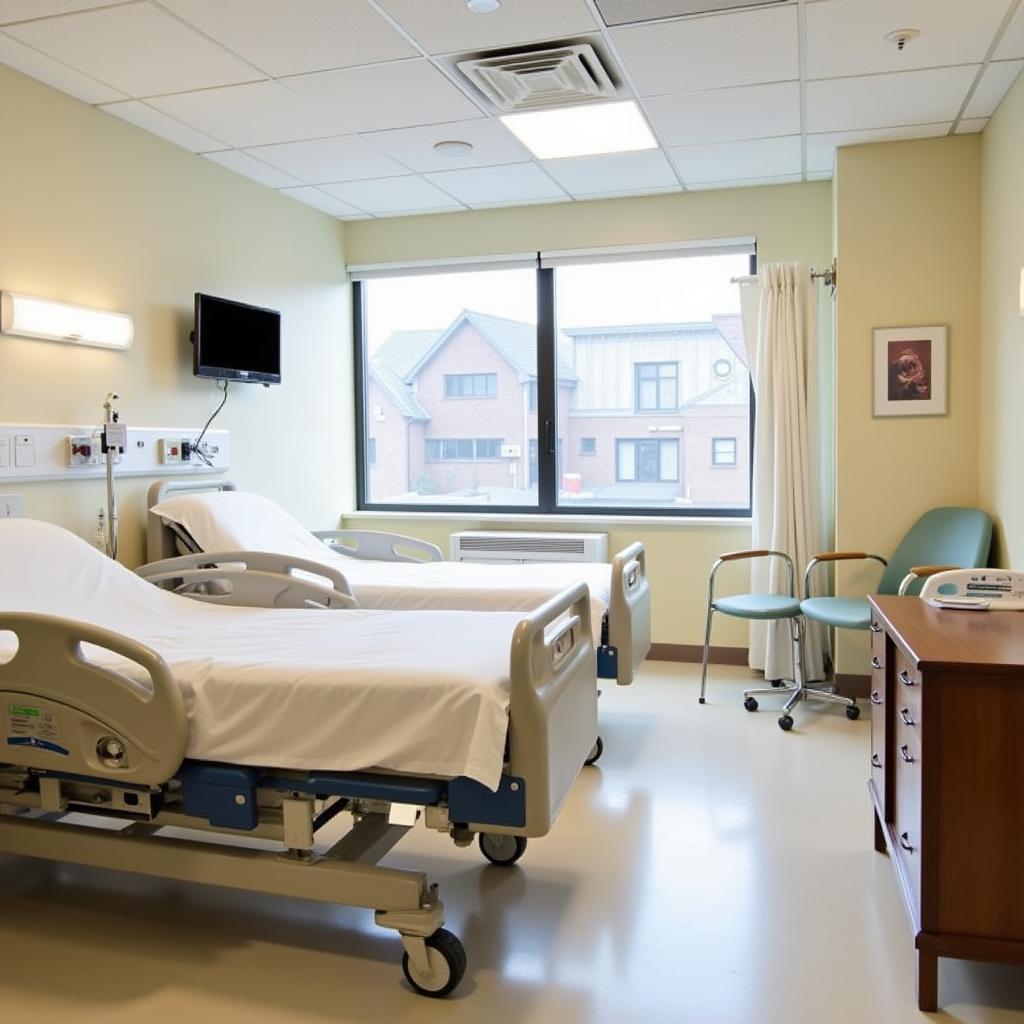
[(236, 341)]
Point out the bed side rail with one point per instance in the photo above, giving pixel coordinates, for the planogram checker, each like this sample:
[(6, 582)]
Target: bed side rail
[(161, 541), (62, 711), (629, 613), (254, 579), (553, 704), (377, 546)]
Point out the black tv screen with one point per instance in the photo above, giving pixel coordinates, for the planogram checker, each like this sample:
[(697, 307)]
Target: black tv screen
[(236, 341)]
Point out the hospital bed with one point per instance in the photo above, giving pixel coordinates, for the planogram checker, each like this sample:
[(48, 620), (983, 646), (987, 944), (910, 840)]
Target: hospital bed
[(130, 706), (392, 571)]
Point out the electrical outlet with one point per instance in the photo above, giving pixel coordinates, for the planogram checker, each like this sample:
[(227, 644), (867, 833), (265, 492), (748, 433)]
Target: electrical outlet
[(83, 450), (10, 506)]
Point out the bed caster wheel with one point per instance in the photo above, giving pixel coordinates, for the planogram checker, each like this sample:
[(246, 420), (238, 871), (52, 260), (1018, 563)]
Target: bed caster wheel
[(852, 712), (595, 752), (786, 723), (750, 703), (447, 957), (778, 683), (503, 850), (701, 700)]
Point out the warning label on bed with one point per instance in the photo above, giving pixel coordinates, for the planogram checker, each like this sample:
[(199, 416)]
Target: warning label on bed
[(25, 720)]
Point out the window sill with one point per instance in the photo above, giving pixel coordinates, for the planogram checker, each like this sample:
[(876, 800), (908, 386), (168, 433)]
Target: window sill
[(553, 520)]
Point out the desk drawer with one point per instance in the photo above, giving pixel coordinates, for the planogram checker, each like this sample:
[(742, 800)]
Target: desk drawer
[(907, 820), (906, 686)]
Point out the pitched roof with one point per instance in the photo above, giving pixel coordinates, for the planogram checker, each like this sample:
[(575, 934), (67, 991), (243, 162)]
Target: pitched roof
[(400, 392), (731, 329), (403, 351)]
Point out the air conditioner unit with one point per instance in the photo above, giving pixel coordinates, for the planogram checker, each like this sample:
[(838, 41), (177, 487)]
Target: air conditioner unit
[(506, 546)]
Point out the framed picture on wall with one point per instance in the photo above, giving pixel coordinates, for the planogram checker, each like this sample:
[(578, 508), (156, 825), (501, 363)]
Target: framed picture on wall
[(910, 368)]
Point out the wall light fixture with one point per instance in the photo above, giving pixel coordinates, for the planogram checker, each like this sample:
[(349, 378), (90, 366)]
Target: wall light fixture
[(50, 320)]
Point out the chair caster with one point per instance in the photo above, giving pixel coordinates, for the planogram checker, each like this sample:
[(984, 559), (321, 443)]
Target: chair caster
[(786, 723), (750, 704), (852, 712)]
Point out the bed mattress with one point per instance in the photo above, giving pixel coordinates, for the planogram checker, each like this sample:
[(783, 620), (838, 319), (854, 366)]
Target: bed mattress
[(424, 693), (240, 521)]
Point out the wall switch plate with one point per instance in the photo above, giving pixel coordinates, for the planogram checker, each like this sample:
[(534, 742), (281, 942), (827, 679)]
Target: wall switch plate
[(10, 506)]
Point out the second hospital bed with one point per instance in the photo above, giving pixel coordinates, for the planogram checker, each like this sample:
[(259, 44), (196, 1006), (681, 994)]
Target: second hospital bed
[(187, 517), (123, 701)]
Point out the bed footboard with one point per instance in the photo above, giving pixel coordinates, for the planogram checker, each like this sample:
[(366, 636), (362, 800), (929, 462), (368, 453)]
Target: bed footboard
[(629, 613), (553, 706), (64, 712), (253, 579), (377, 546)]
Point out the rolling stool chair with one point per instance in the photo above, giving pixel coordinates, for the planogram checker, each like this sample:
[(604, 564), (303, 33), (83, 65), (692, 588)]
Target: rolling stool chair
[(767, 607)]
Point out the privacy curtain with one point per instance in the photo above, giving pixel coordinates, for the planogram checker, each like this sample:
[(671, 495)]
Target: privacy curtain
[(780, 326)]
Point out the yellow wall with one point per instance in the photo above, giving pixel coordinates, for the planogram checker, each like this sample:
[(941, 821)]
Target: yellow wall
[(908, 243), (1002, 327), (791, 222), (98, 212)]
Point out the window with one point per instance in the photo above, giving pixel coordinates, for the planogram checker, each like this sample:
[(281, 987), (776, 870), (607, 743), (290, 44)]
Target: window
[(621, 373), (723, 451), (463, 449), (470, 385), (371, 451), (641, 460), (656, 386)]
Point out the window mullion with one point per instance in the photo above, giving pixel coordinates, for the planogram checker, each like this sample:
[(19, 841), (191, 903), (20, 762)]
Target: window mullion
[(547, 385)]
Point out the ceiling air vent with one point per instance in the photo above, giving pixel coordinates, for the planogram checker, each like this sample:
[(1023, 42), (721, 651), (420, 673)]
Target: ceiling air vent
[(629, 12), (542, 78)]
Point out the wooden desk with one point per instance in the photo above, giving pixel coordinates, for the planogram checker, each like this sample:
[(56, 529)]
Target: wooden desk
[(947, 777)]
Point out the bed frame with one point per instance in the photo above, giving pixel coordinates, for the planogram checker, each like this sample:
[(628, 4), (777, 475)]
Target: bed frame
[(85, 738), (625, 630)]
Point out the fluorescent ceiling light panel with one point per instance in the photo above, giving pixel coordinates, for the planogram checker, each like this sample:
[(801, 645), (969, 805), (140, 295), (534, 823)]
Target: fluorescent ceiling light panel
[(29, 317), (582, 131)]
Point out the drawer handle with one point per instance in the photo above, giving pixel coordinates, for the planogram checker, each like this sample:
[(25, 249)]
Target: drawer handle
[(905, 842), (875, 627), (876, 761), (905, 678), (905, 754), (875, 663), (876, 698), (905, 717)]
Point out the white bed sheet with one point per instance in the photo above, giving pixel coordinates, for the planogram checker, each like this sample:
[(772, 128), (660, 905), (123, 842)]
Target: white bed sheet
[(423, 693), (241, 521)]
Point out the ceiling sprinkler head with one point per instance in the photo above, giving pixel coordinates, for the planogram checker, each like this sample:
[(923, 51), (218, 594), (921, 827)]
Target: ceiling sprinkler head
[(483, 6), (901, 37)]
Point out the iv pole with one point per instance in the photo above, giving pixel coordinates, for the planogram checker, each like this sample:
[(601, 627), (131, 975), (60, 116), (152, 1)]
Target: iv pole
[(110, 450)]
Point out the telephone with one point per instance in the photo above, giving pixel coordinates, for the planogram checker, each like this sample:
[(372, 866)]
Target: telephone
[(976, 589)]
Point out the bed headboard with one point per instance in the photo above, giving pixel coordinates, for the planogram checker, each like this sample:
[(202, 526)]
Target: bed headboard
[(162, 541)]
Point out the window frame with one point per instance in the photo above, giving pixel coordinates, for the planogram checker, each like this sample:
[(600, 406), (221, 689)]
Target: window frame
[(657, 380), (715, 462), (546, 413), (487, 377)]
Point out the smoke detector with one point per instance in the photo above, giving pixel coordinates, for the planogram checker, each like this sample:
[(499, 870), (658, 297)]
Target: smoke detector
[(901, 37), (556, 77)]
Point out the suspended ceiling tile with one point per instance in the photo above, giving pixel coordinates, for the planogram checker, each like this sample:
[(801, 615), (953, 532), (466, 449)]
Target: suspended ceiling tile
[(1011, 46), (846, 37), (142, 116), (507, 186), (714, 52), (256, 114), (408, 194), (282, 38), (24, 10), (995, 83), (613, 173), (321, 201), (729, 161), (246, 165), (726, 115), (137, 48), (45, 69), (343, 158), (396, 95), (445, 26), (971, 126), (821, 149), (492, 144), (626, 12), (778, 179), (883, 101)]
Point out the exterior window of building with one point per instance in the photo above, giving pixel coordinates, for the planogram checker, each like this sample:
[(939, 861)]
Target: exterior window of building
[(588, 446), (656, 386), (463, 449), (531, 395), (722, 368), (470, 385), (723, 451), (647, 461)]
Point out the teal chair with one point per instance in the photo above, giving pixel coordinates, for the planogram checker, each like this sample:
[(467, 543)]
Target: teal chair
[(764, 607), (943, 538)]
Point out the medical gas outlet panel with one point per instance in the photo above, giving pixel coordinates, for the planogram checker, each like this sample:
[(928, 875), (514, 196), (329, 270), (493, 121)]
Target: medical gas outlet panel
[(54, 452)]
